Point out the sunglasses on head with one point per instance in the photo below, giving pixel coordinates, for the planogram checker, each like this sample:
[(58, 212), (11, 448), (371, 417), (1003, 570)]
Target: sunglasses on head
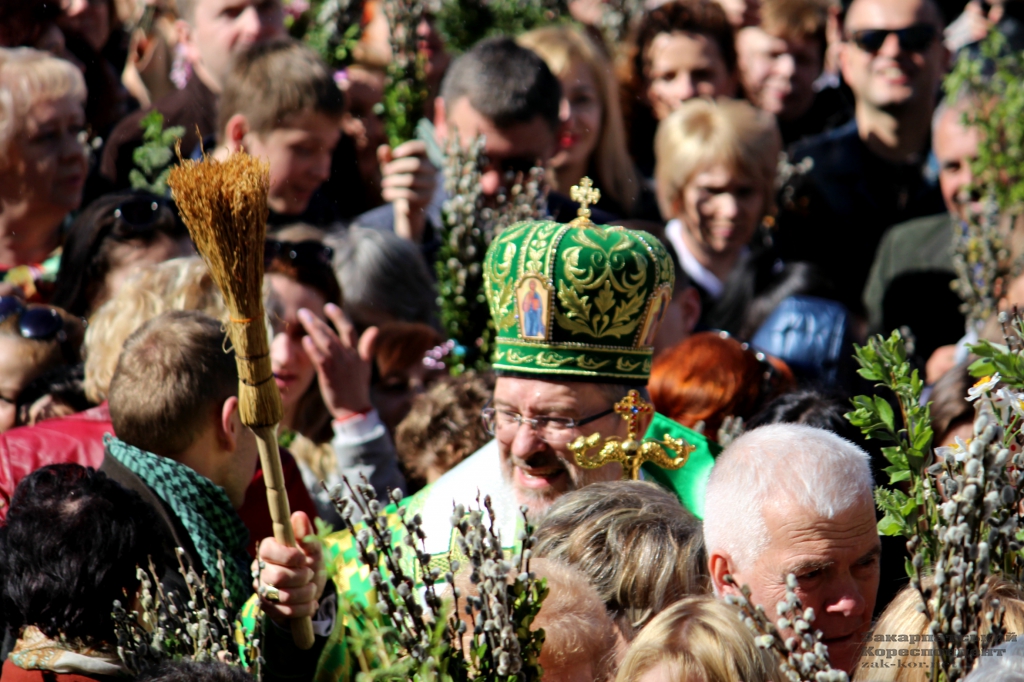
[(916, 38), (300, 254), (39, 323), (142, 214)]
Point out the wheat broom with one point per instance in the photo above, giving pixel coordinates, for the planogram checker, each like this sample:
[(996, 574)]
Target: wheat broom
[(224, 206)]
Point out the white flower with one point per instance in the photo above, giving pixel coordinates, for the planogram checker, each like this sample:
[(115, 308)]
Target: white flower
[(1008, 404), (1016, 402), (984, 385), (1003, 397), (958, 449)]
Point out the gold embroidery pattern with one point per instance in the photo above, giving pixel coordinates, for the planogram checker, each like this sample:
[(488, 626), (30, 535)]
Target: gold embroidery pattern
[(503, 309), (665, 270), (599, 278), (550, 360), (553, 360), (653, 300), (624, 365), (517, 358), (592, 365), (537, 247)]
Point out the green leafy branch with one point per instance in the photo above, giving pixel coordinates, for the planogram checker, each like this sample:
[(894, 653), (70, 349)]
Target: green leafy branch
[(1006, 360), (962, 514), (463, 23), (332, 28), (994, 78), (154, 157), (909, 509), (405, 92)]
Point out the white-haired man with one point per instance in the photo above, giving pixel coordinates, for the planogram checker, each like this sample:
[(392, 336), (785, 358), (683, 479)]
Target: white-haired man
[(788, 498)]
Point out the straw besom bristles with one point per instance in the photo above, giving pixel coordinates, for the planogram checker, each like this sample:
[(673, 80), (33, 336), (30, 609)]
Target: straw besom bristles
[(224, 206)]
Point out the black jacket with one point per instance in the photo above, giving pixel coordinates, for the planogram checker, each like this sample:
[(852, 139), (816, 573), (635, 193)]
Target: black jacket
[(834, 216)]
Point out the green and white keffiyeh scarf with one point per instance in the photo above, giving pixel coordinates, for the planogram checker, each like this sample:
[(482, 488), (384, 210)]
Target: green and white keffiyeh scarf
[(203, 509)]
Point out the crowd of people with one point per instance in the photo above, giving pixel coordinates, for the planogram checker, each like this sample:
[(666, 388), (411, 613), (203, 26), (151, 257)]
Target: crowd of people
[(783, 179)]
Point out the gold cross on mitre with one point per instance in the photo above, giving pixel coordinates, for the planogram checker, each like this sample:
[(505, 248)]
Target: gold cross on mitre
[(586, 195), (633, 452)]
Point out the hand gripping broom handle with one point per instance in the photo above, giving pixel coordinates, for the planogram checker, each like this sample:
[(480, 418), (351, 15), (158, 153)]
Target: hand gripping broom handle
[(280, 514), (260, 409)]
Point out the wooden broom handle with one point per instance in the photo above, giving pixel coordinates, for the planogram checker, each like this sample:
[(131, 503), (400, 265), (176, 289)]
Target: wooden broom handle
[(280, 514)]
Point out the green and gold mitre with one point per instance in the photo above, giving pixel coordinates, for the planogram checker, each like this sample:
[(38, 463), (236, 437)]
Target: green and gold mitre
[(578, 301)]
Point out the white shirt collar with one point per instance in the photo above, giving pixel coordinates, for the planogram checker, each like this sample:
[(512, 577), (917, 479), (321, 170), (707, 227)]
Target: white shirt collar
[(698, 274)]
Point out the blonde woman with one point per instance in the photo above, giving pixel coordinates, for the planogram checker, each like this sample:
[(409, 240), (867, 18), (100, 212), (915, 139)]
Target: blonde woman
[(43, 163), (594, 141), (698, 639), (715, 175), (178, 284), (637, 545), (910, 658)]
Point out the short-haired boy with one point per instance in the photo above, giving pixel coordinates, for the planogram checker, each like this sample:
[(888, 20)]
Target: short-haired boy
[(182, 446), (781, 60), (280, 103)]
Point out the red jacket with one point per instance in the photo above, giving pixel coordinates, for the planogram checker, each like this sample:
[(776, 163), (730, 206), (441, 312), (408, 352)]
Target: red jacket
[(12, 673), (78, 439)]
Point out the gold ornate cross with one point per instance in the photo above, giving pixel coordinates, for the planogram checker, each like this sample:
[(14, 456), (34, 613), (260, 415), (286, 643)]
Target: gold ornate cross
[(633, 452), (586, 195), (632, 408)]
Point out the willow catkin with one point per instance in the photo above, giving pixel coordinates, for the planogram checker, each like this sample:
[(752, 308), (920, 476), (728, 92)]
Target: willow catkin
[(224, 207)]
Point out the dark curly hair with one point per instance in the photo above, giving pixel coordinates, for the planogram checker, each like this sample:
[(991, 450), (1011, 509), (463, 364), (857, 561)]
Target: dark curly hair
[(822, 409), (92, 237), (194, 671), (703, 17), (71, 545), (444, 425)]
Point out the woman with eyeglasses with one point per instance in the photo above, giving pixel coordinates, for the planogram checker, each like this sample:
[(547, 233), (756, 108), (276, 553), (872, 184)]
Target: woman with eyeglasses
[(33, 339), (323, 370), (108, 241), (43, 165)]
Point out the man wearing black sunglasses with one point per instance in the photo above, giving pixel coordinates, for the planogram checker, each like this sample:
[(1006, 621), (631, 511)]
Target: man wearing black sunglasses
[(871, 173), (893, 59)]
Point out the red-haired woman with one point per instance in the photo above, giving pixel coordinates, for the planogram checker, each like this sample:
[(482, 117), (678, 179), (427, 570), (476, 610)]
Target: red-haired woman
[(711, 376)]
